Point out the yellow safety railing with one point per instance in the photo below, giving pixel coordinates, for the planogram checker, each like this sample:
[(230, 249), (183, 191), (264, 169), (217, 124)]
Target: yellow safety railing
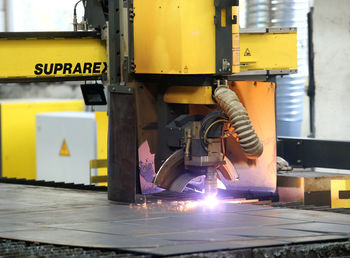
[(340, 193), (95, 164)]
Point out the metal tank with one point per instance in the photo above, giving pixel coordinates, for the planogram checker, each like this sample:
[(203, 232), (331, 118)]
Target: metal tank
[(258, 13), (290, 89)]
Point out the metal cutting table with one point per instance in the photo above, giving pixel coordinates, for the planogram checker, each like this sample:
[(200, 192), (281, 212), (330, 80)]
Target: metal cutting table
[(87, 219)]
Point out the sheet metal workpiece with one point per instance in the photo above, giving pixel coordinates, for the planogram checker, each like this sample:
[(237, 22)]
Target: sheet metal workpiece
[(87, 219)]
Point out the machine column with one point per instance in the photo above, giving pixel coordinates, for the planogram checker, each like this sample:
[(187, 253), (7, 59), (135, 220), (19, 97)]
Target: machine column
[(122, 145), (122, 131)]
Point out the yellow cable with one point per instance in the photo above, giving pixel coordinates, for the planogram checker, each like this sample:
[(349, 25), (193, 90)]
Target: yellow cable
[(211, 125)]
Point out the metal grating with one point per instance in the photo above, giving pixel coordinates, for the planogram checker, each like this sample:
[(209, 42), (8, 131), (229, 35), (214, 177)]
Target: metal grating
[(10, 248), (337, 249)]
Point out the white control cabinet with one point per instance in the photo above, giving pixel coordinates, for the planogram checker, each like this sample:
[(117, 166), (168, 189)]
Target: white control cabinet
[(65, 144)]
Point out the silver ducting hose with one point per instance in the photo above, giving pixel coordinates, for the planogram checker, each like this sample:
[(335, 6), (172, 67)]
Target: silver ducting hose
[(239, 119), (290, 89)]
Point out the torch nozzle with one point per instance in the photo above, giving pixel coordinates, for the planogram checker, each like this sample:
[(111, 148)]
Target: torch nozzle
[(211, 182)]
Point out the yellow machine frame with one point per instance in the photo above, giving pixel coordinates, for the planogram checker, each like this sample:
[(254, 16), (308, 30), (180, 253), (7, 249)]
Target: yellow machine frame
[(51, 56), (20, 56), (269, 49), (168, 40)]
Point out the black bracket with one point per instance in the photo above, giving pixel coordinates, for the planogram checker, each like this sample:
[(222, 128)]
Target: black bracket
[(224, 35), (121, 89), (226, 3), (114, 38)]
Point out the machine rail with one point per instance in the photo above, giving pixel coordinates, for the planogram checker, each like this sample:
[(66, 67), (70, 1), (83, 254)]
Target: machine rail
[(270, 200), (22, 181)]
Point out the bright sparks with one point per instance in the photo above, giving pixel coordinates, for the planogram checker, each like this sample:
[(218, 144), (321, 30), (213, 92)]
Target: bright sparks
[(209, 202)]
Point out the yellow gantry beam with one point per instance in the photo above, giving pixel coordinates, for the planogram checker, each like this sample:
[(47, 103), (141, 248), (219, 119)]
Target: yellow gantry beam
[(268, 49), (82, 55), (41, 55)]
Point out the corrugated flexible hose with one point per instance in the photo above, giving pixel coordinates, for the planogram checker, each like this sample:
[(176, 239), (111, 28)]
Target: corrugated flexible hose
[(239, 120)]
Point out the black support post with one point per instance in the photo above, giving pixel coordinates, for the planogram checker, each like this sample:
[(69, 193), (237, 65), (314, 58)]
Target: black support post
[(122, 131), (311, 91), (122, 146)]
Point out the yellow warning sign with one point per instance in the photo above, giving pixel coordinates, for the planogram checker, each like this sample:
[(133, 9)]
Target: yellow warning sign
[(64, 149), (247, 52)]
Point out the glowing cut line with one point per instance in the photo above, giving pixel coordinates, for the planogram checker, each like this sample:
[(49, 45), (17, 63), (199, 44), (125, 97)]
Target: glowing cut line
[(210, 201)]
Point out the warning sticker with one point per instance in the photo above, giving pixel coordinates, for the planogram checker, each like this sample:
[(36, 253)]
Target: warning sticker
[(247, 52), (64, 149)]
